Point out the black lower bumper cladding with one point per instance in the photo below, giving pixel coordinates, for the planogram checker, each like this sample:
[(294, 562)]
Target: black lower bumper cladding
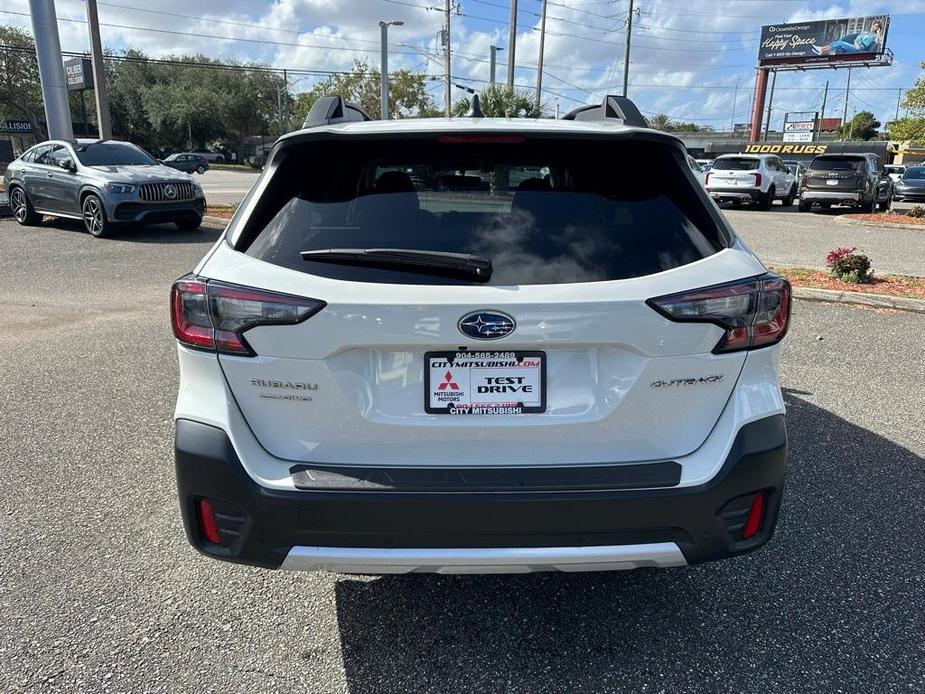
[(433, 508)]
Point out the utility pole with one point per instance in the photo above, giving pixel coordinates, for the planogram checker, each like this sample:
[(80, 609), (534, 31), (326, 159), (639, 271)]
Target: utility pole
[(844, 119), (825, 97), (767, 123), (492, 60), (448, 97), (626, 49), (735, 96), (512, 45), (51, 69), (539, 67), (899, 97), (99, 75)]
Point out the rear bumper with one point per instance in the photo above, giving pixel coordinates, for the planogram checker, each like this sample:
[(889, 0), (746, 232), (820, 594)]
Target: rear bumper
[(742, 194), (568, 528), (831, 195)]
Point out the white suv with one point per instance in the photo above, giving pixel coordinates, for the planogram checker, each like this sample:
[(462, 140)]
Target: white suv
[(478, 345), (755, 178)]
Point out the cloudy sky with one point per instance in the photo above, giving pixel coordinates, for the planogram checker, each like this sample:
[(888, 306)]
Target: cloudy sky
[(687, 55)]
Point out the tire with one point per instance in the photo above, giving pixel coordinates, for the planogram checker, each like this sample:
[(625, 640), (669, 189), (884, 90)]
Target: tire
[(765, 200), (870, 207), (188, 223), (804, 206), (219, 159), (22, 208), (200, 169), (885, 205), (94, 216), (791, 196)]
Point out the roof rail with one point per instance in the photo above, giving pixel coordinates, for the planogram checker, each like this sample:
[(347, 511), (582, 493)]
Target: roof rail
[(328, 110), (617, 107)]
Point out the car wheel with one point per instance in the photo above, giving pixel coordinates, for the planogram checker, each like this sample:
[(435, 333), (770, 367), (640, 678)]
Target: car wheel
[(22, 208), (765, 199), (219, 159), (94, 216), (885, 205), (188, 223), (804, 206), (870, 206), (200, 169), (791, 196)]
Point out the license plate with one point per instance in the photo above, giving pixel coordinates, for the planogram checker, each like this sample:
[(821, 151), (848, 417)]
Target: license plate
[(484, 383), (832, 182)]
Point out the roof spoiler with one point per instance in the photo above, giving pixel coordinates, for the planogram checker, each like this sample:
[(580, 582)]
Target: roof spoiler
[(328, 110), (613, 107)]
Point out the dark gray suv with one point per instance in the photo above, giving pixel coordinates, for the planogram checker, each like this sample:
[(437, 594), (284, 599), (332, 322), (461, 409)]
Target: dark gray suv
[(104, 183)]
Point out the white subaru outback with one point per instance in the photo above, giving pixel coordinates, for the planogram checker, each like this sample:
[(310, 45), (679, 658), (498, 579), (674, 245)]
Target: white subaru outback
[(479, 345)]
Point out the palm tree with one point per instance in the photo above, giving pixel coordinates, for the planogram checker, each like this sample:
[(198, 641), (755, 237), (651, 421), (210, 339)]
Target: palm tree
[(660, 121), (499, 101)]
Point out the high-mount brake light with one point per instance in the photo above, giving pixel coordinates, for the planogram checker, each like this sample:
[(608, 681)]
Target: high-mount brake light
[(754, 312), (213, 315), (481, 139)]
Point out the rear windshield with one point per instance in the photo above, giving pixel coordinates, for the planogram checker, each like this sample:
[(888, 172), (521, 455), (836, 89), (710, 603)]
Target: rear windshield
[(113, 154), (543, 211), (914, 174), (735, 164), (838, 164)]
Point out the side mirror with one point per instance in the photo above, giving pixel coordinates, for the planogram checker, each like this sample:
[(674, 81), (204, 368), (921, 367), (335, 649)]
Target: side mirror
[(67, 165)]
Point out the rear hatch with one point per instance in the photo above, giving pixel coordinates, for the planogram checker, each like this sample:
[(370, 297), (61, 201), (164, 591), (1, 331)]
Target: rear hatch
[(556, 359), (735, 172), (837, 174)]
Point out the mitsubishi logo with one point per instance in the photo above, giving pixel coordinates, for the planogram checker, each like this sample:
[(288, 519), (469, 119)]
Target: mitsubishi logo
[(448, 382)]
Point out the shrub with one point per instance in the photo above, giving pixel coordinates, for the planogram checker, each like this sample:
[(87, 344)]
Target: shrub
[(917, 211), (849, 266)]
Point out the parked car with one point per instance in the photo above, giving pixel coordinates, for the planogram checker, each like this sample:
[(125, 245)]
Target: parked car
[(104, 183), (857, 180), (705, 165), (755, 178), (188, 162), (895, 171), (4, 195), (798, 169), (208, 155), (576, 373), (696, 169), (911, 187)]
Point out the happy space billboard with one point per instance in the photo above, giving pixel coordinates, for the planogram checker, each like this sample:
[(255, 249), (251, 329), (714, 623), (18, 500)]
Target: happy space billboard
[(825, 41)]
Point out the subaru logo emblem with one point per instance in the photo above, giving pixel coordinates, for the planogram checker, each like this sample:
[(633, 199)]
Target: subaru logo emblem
[(170, 191), (486, 325)]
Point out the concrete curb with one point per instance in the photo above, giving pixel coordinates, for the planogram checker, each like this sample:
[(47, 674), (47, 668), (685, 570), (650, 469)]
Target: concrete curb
[(880, 225), (210, 222), (896, 303)]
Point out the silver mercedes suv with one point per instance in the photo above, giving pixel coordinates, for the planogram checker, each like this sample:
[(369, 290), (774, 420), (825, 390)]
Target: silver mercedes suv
[(105, 183)]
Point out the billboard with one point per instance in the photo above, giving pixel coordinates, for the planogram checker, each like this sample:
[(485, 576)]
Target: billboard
[(824, 41), (799, 127)]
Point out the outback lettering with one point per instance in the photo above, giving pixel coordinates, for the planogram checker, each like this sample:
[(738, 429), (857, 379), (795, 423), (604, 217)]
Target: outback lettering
[(686, 381)]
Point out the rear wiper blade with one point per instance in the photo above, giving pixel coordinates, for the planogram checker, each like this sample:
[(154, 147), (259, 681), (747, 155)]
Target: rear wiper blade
[(459, 265)]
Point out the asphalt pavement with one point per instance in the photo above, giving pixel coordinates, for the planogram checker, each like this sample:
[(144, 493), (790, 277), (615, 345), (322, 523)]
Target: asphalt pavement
[(784, 236), (99, 591)]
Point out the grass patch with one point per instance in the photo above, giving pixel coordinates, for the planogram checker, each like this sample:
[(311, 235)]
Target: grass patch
[(889, 285)]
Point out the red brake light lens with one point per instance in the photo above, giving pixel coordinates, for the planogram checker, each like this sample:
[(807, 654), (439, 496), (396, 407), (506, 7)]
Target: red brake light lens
[(706, 181), (207, 524), (481, 139), (754, 518), (213, 315), (753, 312), (757, 180)]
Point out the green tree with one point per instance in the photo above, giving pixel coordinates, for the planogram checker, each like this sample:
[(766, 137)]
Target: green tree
[(20, 89), (499, 101), (914, 100), (408, 97), (862, 127), (660, 121), (906, 129)]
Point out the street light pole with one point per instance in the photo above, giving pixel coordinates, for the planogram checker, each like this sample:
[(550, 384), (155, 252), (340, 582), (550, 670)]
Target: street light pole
[(492, 60), (626, 50), (384, 68), (51, 69), (539, 67), (512, 45)]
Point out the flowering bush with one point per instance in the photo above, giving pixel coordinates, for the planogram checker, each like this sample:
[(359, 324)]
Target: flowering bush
[(917, 211), (837, 253), (848, 266)]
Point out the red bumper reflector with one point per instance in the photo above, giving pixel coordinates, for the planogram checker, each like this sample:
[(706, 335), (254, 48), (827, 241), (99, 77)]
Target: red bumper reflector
[(207, 522), (755, 514)]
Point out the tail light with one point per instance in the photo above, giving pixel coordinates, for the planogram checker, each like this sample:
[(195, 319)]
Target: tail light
[(757, 180), (706, 180), (754, 312), (207, 524), (755, 515), (804, 181), (213, 315)]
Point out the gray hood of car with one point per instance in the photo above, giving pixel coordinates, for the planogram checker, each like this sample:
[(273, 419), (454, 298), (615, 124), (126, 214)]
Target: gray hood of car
[(140, 174)]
